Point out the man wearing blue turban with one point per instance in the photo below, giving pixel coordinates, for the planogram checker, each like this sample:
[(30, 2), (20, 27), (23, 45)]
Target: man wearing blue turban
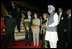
[(51, 27)]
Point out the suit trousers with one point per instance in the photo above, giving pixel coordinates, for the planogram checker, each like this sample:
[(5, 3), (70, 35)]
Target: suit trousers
[(27, 38), (9, 32), (18, 25)]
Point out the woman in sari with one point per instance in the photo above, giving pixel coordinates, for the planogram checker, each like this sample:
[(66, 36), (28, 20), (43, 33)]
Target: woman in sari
[(43, 30)]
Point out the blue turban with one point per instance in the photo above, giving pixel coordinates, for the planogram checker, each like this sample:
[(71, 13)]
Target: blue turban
[(52, 7)]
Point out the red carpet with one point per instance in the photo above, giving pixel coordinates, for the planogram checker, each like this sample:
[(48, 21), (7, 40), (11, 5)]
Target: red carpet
[(21, 44)]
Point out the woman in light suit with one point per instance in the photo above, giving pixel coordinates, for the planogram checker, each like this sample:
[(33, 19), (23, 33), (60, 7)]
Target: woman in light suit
[(36, 30)]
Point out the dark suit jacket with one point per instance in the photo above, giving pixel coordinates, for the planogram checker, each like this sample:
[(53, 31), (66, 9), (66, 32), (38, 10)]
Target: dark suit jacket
[(9, 22), (69, 30), (63, 22), (31, 19), (29, 24), (18, 16), (69, 24)]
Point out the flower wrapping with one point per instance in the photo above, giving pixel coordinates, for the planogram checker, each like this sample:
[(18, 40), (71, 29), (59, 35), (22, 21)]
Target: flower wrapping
[(27, 21), (35, 24)]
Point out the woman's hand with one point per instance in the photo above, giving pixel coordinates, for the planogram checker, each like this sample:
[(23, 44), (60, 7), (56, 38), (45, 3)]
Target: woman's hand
[(46, 27)]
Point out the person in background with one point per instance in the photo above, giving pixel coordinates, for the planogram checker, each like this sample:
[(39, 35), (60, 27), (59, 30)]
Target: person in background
[(69, 29), (36, 30), (22, 29), (10, 23), (43, 30), (18, 18), (62, 28), (40, 22), (51, 27), (40, 35)]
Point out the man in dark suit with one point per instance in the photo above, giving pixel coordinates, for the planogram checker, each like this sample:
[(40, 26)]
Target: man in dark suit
[(10, 23), (62, 28), (68, 45), (11, 6), (18, 17), (28, 35)]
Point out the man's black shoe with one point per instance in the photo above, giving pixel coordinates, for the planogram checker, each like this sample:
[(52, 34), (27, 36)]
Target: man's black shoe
[(25, 44), (29, 44)]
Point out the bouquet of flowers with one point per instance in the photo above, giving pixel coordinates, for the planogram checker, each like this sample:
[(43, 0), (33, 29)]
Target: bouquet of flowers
[(35, 24), (26, 21), (27, 28)]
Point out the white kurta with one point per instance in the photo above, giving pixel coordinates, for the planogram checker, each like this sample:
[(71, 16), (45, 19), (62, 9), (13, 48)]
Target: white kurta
[(50, 35)]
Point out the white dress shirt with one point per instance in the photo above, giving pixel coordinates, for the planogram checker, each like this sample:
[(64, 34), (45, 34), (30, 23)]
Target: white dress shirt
[(59, 16), (29, 17), (69, 16)]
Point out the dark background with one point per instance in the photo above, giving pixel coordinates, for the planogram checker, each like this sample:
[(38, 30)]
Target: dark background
[(65, 4), (41, 5)]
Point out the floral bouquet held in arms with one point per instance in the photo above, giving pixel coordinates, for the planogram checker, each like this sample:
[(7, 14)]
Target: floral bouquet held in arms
[(35, 24), (26, 22)]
